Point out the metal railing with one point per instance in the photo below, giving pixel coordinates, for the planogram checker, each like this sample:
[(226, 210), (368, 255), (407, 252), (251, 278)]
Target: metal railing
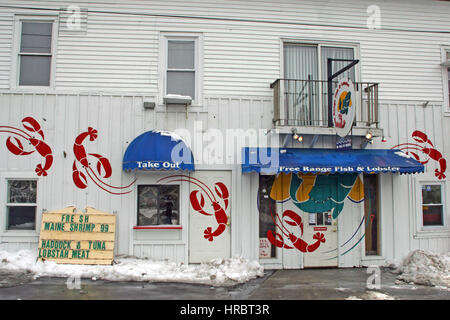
[(305, 103)]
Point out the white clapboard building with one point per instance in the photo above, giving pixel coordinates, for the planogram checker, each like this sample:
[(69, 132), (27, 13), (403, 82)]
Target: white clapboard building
[(296, 133)]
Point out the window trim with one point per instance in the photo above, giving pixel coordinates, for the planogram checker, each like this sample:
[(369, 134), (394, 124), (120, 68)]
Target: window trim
[(198, 63), (178, 226), (4, 178), (445, 66), (15, 65), (430, 231)]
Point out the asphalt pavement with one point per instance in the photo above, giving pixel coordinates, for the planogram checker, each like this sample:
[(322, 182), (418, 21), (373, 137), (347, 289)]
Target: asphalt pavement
[(308, 284)]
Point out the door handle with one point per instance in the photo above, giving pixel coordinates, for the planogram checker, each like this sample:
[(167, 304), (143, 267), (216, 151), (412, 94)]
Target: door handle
[(228, 221)]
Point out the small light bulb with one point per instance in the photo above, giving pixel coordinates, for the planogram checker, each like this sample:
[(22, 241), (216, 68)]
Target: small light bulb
[(295, 136), (300, 138), (368, 135)]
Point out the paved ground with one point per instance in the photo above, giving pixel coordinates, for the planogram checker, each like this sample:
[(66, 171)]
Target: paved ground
[(312, 284)]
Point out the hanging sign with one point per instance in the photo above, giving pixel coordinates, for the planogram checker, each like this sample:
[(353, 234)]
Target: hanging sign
[(79, 237), (344, 99)]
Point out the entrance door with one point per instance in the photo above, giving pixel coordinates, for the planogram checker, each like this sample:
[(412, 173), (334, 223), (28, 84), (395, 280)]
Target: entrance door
[(209, 216), (319, 226)]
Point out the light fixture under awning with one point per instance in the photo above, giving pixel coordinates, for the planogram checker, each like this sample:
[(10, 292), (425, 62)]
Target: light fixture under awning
[(158, 150), (276, 160)]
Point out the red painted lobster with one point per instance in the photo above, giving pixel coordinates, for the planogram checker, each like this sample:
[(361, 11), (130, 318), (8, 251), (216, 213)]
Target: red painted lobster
[(431, 153), (103, 165), (293, 219), (198, 202), (15, 146)]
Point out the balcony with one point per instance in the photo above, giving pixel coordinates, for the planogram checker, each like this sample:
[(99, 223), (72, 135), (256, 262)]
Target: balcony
[(303, 105)]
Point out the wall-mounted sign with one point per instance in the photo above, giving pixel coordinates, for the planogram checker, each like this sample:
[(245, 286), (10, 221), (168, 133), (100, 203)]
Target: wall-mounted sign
[(344, 143), (72, 237), (344, 99)]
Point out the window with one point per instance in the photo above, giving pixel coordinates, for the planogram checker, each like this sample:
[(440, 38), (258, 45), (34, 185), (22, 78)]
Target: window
[(320, 219), (21, 205), (267, 210), (35, 53), (181, 65), (158, 205), (432, 205), (445, 53), (372, 214), (305, 88)]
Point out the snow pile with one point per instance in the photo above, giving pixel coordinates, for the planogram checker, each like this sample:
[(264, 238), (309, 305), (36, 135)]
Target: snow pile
[(372, 295), (426, 268), (218, 272)]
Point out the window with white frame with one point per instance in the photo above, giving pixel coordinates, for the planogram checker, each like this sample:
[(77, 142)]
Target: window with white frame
[(446, 77), (181, 63), (432, 204), (35, 52), (21, 204), (158, 205), (305, 70)]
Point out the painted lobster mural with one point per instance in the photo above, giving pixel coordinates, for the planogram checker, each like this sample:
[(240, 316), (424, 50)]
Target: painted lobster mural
[(198, 202), (103, 166), (35, 137), (293, 219), (425, 147)]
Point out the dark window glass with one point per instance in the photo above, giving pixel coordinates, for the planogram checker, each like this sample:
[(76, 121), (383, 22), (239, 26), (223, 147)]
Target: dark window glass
[(267, 212), (371, 213), (158, 205), (21, 218), (21, 205), (35, 54), (432, 207)]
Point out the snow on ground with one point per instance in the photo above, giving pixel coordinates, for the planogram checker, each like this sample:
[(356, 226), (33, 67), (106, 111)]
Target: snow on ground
[(218, 272), (426, 268), (372, 295)]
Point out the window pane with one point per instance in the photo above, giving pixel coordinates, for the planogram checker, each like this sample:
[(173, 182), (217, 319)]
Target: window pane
[(267, 208), (168, 204), (22, 191), (21, 218), (371, 214), (431, 194), (158, 204), (147, 205), (181, 82), (36, 37), (337, 53), (34, 70), (181, 54), (432, 216), (300, 62)]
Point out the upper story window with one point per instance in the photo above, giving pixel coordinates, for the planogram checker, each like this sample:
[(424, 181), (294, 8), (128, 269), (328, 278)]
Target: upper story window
[(309, 61), (181, 62), (445, 53), (34, 51)]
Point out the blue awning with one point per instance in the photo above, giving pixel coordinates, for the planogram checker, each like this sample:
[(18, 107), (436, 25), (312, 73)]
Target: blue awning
[(276, 160), (157, 150)]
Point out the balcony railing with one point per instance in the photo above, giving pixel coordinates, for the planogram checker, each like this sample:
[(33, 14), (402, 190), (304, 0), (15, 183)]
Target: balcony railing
[(304, 103)]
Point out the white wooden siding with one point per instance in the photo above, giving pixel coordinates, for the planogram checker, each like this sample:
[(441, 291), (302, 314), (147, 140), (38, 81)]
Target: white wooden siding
[(119, 52)]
